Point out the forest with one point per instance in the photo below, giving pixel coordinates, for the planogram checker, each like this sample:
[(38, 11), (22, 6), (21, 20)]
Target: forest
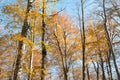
[(59, 39)]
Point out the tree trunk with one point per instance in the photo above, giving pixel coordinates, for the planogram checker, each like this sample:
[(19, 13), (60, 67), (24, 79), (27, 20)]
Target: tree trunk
[(102, 66), (44, 51), (25, 28), (83, 41), (31, 54), (65, 52), (109, 65), (97, 71), (109, 42), (108, 72), (88, 75), (62, 58)]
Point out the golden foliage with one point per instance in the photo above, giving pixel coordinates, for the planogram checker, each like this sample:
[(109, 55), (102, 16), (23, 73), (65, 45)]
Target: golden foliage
[(27, 41)]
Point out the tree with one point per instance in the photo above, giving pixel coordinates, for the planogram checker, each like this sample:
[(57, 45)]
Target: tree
[(83, 38), (109, 41), (63, 41), (25, 28)]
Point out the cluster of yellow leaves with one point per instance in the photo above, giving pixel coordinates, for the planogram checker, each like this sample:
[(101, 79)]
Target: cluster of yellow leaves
[(96, 43), (37, 4), (34, 14), (27, 41), (14, 11)]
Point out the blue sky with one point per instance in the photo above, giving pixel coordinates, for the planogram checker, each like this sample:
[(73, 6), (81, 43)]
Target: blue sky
[(69, 5)]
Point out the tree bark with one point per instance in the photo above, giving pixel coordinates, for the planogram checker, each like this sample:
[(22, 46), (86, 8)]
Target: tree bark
[(88, 75), (109, 65), (31, 53), (97, 71), (83, 41), (44, 51), (25, 28), (102, 66), (109, 41)]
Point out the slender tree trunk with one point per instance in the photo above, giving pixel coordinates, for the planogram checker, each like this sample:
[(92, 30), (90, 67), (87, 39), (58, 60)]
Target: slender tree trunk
[(102, 66), (44, 51), (64, 69), (65, 51), (13, 66), (25, 28), (108, 72), (31, 66), (83, 40), (94, 66), (62, 58), (97, 71), (31, 54), (65, 75), (88, 75), (109, 42), (109, 65)]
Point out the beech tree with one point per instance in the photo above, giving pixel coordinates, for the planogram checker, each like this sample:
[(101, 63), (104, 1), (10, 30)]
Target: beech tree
[(63, 33)]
